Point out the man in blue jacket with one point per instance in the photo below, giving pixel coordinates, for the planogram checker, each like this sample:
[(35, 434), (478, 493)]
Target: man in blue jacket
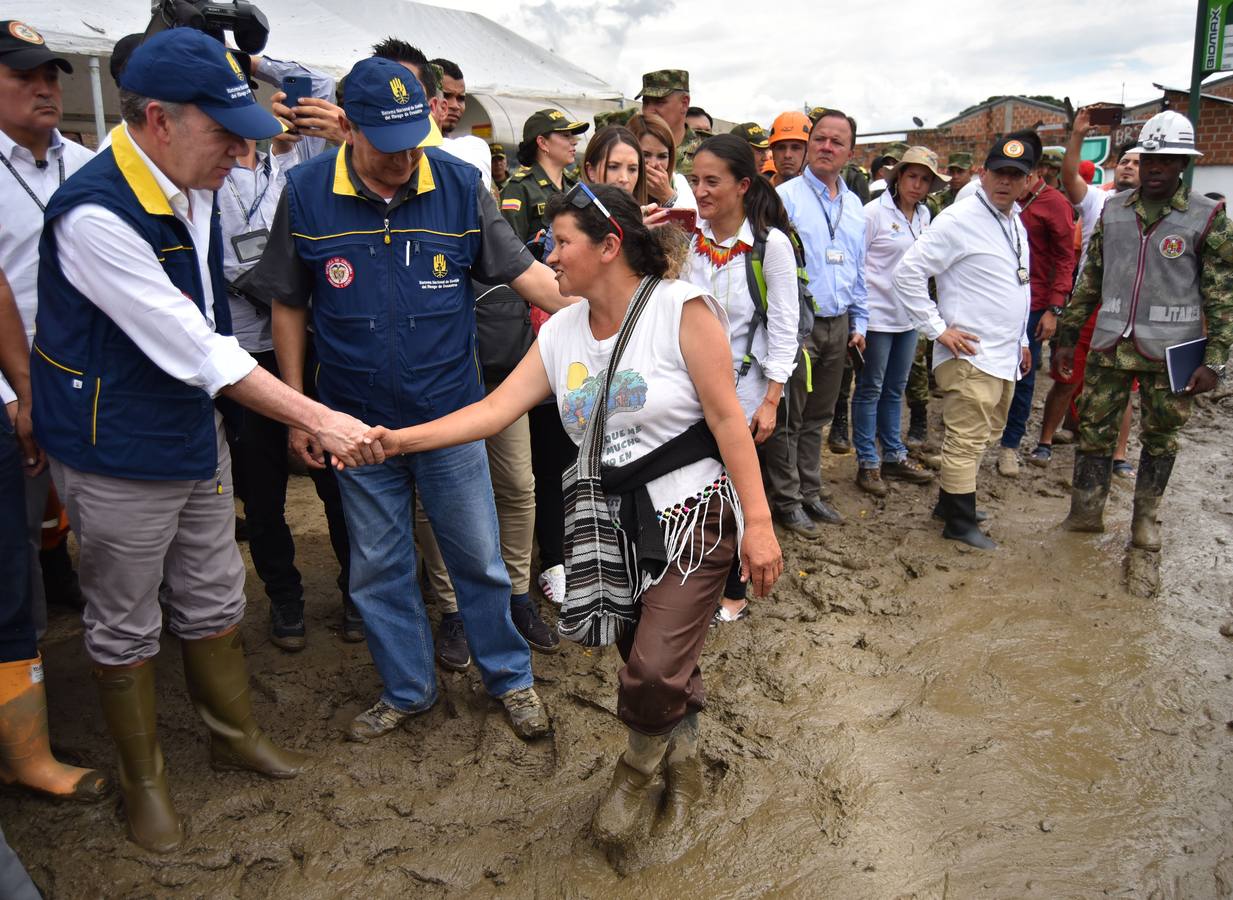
[(384, 236), (132, 346)]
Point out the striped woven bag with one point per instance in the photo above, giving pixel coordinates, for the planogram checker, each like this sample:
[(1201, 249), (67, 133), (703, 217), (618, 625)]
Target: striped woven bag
[(599, 598)]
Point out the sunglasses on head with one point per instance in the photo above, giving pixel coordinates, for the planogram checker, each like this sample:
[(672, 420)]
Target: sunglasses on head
[(580, 197)]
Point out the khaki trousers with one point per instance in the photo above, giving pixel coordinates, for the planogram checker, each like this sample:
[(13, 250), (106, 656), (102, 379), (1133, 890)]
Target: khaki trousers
[(974, 409), (513, 487)]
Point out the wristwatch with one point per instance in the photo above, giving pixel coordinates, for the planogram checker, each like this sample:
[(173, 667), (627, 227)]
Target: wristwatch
[(1056, 310), (1219, 370)]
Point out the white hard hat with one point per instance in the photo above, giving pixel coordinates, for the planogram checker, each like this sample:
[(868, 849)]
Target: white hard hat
[(1167, 132)]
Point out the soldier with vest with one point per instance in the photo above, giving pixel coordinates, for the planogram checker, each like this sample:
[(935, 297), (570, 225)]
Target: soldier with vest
[(131, 349), (549, 140), (384, 236), (1159, 266)]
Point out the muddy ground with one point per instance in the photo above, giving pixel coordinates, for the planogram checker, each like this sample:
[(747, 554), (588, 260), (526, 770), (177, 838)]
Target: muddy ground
[(904, 718)]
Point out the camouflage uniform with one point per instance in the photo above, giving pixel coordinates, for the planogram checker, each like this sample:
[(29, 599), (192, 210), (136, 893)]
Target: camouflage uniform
[(918, 379), (939, 200), (660, 84), (614, 117), (1109, 374), (526, 194)]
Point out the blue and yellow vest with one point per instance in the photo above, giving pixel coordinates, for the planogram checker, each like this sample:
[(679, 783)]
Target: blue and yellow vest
[(393, 308), (100, 404)]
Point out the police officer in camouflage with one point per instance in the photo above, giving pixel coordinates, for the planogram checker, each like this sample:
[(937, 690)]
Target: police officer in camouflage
[(1159, 264), (757, 138), (500, 166), (665, 92), (549, 138)]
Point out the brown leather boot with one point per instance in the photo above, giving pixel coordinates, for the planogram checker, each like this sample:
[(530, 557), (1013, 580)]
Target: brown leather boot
[(25, 751), (626, 811), (218, 685), (127, 695)]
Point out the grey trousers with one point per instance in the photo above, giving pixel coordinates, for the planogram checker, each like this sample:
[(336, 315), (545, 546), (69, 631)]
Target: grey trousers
[(135, 535), (15, 883), (793, 454)]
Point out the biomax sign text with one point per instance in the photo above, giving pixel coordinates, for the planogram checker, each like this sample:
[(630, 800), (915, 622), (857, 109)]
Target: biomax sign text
[(1216, 57)]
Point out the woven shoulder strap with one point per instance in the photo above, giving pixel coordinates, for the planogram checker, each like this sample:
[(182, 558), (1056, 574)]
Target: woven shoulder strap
[(591, 450)]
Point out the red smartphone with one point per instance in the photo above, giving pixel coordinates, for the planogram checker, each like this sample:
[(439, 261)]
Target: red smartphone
[(686, 219), (1106, 115)]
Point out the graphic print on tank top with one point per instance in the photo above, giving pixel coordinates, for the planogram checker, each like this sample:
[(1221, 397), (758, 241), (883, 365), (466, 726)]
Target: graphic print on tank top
[(627, 395)]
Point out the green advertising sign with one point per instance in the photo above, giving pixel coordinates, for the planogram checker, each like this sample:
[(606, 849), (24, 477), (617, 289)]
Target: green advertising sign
[(1214, 57), (1096, 149)]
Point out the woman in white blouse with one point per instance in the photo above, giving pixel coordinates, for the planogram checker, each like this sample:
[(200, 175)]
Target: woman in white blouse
[(893, 222), (736, 204)]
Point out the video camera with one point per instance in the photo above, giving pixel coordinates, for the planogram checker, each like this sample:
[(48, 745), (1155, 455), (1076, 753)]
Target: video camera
[(247, 24)]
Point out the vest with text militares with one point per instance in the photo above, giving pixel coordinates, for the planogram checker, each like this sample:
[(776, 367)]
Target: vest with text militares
[(393, 308), (100, 404), (1150, 289)]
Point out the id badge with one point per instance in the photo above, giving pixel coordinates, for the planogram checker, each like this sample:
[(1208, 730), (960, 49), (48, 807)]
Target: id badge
[(250, 245), (834, 257), (1024, 278)]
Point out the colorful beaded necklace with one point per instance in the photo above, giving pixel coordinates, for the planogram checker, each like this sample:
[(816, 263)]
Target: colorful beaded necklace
[(719, 256)]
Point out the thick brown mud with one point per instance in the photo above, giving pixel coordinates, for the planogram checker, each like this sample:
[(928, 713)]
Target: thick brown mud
[(904, 718)]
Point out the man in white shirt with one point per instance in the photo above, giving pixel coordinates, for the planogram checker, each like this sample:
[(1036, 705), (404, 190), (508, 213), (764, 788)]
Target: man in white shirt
[(132, 347), (34, 161), (977, 250)]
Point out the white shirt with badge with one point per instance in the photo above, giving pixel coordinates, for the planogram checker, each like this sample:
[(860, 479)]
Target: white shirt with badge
[(116, 269), (979, 259), (246, 204), (25, 189), (888, 236)]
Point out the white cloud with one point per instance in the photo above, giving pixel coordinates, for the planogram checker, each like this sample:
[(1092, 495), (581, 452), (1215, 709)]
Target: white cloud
[(750, 62)]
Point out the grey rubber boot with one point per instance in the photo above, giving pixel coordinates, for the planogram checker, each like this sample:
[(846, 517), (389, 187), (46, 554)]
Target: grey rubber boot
[(1089, 492), (1150, 484), (625, 813)]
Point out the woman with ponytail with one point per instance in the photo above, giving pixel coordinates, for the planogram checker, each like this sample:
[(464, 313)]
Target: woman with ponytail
[(736, 205), (677, 441)]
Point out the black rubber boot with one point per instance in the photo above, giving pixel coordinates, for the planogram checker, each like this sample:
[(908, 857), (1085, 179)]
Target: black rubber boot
[(918, 424), (1089, 493), (838, 439), (1150, 484), (959, 511)]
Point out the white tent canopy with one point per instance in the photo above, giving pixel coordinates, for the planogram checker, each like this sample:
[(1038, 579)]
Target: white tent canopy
[(498, 63)]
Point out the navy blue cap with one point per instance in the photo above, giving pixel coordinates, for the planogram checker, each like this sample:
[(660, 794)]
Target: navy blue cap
[(385, 101), (184, 65)]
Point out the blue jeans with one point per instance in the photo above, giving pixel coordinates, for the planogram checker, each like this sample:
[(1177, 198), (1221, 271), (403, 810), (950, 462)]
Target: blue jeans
[(1021, 405), (877, 402), (16, 627), (454, 487)]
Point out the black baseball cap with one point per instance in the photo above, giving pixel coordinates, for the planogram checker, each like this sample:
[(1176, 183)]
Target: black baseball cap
[(546, 121), (1020, 150), (23, 48)]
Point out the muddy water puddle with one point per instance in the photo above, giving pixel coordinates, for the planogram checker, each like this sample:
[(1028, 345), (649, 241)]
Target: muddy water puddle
[(903, 719)]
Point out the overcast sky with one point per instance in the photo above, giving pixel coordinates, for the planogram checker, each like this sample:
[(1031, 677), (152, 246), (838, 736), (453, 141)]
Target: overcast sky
[(751, 60)]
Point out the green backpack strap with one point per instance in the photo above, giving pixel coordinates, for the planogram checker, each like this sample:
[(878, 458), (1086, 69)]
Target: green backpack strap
[(756, 281)]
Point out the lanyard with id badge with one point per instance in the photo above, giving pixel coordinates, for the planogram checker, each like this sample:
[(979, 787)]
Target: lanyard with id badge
[(250, 244), (1016, 246), (834, 255)]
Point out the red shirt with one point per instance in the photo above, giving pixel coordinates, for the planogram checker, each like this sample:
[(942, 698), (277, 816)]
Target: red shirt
[(1050, 223)]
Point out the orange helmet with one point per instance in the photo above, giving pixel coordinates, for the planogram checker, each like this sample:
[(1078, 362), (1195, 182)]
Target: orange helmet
[(790, 126)]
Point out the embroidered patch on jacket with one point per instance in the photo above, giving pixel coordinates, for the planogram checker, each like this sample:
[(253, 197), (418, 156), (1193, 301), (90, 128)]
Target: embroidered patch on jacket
[(511, 205), (339, 272), (1172, 246)]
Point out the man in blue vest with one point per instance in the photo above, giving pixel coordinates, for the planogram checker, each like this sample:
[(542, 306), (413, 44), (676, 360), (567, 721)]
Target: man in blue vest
[(385, 236), (131, 348)]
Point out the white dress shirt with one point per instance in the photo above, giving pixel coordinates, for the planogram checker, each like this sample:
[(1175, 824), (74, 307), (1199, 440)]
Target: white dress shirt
[(888, 235), (21, 219), (969, 251), (473, 149), (116, 269), (774, 347)]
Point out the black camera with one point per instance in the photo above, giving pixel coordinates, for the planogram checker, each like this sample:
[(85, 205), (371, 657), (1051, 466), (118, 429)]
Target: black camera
[(248, 25)]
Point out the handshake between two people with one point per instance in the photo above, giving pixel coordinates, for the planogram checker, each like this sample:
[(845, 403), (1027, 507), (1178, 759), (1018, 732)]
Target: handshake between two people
[(349, 442)]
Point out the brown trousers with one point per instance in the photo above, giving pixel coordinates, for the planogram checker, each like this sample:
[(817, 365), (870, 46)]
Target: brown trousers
[(661, 681)]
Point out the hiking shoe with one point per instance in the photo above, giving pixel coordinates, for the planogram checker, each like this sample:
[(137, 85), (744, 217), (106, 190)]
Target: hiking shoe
[(552, 584), (378, 719), (352, 623), (532, 628), (820, 510), (1123, 469), (1041, 456), (907, 469), (526, 713), (287, 628), (1008, 462), (870, 481), (797, 522), (452, 650)]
